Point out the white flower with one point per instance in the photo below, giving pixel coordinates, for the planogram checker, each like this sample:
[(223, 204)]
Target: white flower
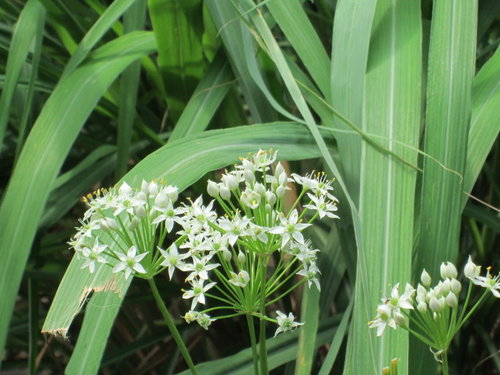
[(93, 256), (199, 268), (489, 282), (310, 272), (172, 259), (290, 228), (286, 323), (384, 319), (241, 279), (204, 320), (234, 228), (197, 293), (130, 262), (405, 300), (322, 206)]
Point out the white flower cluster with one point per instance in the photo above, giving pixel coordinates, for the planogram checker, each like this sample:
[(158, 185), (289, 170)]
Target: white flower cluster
[(245, 257), (436, 318), (238, 246), (135, 221)]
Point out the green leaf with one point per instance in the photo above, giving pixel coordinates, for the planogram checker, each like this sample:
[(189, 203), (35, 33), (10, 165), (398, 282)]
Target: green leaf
[(387, 191), (43, 155), (177, 25), (28, 26), (451, 63), (293, 21), (205, 100), (485, 121), (350, 42)]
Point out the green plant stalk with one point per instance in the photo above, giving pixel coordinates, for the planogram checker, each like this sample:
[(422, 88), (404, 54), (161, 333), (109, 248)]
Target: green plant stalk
[(253, 341), (171, 326), (262, 324), (445, 364)]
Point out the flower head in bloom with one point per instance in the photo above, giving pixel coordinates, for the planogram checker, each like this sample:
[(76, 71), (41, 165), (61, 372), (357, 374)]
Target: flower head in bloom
[(286, 323), (198, 292), (130, 262), (290, 228), (489, 282), (172, 259), (384, 319)]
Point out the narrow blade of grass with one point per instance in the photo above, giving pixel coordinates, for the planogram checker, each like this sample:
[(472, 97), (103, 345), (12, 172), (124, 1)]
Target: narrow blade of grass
[(24, 33), (43, 155), (448, 111)]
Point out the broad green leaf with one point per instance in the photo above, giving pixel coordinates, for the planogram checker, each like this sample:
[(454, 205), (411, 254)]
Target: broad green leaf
[(387, 191), (29, 24), (351, 39), (43, 155), (451, 63), (485, 121)]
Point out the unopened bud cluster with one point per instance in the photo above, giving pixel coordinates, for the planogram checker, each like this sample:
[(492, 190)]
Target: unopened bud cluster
[(437, 314)]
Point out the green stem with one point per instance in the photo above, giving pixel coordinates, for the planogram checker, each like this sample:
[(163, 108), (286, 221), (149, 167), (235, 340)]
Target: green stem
[(445, 364), (171, 326), (251, 330), (262, 324)]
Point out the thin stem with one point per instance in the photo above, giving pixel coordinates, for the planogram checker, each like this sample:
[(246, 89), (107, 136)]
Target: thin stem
[(251, 330), (445, 363), (171, 326), (262, 323)]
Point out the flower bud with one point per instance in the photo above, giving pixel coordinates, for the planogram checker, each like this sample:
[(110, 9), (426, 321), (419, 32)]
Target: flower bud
[(456, 287), (434, 305), (140, 212), (259, 189), (451, 300), (270, 198), (241, 258), (279, 170), (230, 181), (448, 270), (161, 200), (471, 270), (226, 254), (125, 189), (399, 319), (172, 192), (422, 307), (445, 287), (425, 278), (280, 191), (225, 193), (213, 189), (153, 189)]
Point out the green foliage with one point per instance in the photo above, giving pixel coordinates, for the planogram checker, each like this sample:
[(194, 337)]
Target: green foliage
[(398, 100)]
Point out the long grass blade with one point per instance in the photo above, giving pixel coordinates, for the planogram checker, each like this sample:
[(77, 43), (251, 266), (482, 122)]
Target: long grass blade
[(43, 155), (350, 43), (485, 120), (205, 100), (24, 33), (127, 98), (448, 110), (387, 191)]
